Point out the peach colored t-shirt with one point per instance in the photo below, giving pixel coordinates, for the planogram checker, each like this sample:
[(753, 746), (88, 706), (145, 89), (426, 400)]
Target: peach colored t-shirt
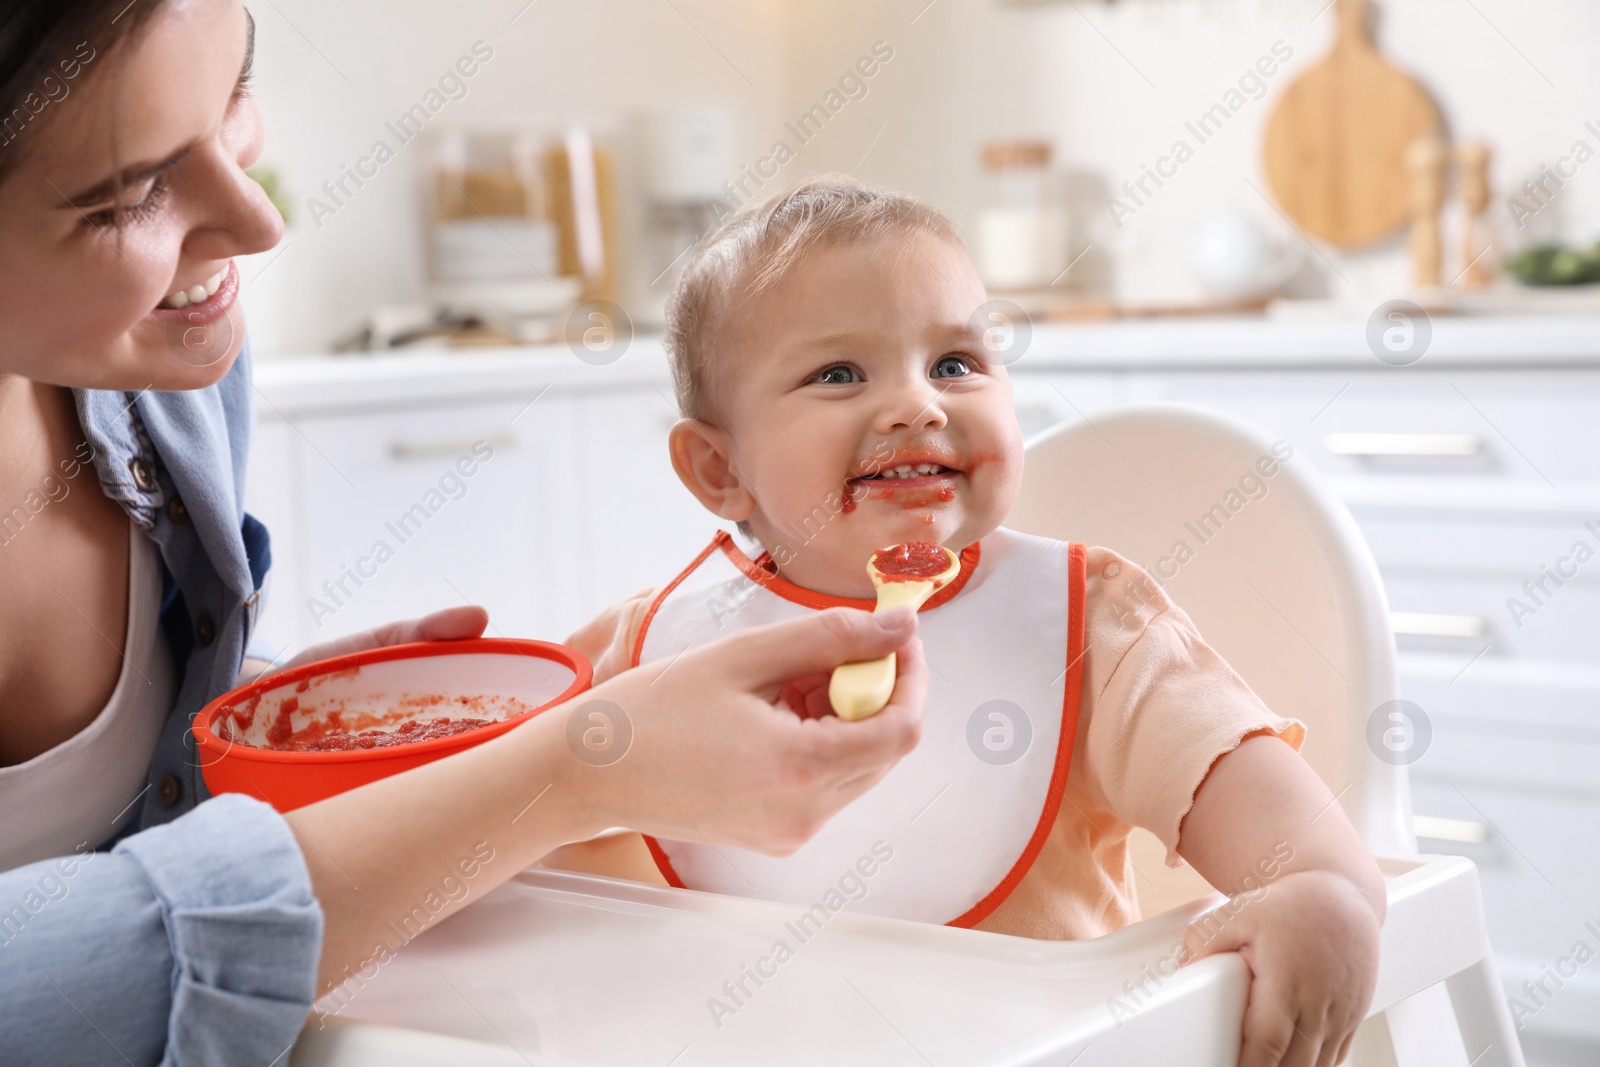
[(1159, 707)]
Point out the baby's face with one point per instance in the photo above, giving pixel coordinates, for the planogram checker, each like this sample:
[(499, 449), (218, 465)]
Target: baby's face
[(858, 408)]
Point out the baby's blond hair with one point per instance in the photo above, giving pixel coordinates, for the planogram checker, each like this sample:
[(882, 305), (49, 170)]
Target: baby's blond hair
[(752, 250)]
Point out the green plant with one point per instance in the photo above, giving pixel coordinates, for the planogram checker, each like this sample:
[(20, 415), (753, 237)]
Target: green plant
[(1555, 265), (267, 178)]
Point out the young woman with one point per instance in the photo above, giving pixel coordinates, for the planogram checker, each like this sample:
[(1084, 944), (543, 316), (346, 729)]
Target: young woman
[(130, 578)]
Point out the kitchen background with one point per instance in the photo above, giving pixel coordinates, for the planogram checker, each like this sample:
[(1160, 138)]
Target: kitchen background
[(535, 154), (1109, 85)]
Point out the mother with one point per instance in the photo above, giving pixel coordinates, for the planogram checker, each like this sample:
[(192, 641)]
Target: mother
[(205, 932)]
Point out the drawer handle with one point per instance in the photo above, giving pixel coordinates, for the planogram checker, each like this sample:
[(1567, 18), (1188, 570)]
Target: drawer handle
[(459, 446), (1404, 444), (1420, 624), (1457, 831)]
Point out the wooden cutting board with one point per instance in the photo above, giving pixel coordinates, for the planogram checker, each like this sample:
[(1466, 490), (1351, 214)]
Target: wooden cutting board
[(1334, 152)]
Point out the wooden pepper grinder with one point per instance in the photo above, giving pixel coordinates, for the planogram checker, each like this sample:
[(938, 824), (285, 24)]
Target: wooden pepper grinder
[(1425, 164), (1472, 161)]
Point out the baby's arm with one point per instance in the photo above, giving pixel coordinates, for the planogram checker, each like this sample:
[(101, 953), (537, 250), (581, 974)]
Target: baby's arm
[(1310, 902)]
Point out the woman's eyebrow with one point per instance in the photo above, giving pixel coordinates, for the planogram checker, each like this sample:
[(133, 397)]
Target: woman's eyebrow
[(133, 175), (103, 191)]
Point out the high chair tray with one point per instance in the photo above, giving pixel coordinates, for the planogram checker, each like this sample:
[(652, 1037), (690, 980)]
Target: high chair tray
[(575, 969), (558, 968)]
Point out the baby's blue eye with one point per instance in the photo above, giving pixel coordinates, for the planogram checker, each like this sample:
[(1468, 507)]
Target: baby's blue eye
[(838, 375), (951, 367)]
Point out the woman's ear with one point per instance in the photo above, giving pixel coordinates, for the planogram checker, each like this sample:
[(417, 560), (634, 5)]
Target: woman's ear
[(700, 456)]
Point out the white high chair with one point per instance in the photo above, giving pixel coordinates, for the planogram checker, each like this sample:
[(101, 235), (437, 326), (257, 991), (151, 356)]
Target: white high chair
[(1282, 584), (558, 968)]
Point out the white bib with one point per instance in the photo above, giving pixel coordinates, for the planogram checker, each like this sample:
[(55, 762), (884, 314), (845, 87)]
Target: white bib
[(952, 828)]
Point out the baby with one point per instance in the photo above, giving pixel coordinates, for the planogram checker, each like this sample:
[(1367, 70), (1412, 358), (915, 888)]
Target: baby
[(837, 397)]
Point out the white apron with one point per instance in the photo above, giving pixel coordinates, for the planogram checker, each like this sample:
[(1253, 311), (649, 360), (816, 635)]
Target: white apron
[(952, 828)]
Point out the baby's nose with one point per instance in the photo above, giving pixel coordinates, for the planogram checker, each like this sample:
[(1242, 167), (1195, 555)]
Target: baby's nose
[(915, 407)]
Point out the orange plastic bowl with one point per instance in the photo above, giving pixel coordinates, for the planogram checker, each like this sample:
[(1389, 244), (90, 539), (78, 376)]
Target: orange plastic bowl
[(505, 680)]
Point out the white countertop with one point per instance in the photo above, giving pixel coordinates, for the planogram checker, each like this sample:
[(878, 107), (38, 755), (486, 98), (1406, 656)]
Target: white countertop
[(323, 382)]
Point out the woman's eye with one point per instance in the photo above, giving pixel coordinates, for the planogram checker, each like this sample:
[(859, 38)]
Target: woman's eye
[(951, 367), (137, 211), (838, 375)]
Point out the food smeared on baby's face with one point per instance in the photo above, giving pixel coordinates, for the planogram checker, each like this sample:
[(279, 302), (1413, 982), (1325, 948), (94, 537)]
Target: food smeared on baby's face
[(914, 561), (866, 409)]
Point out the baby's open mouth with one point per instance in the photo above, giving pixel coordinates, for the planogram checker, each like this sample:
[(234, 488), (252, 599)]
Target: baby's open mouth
[(906, 471)]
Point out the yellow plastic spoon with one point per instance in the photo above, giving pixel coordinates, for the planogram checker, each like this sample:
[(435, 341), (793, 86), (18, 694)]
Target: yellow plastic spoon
[(860, 690)]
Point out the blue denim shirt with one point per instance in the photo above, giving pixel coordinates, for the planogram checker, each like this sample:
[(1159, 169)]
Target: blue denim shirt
[(195, 938)]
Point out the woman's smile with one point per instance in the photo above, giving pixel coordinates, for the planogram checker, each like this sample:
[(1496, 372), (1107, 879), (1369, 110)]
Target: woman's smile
[(198, 293), (204, 301)]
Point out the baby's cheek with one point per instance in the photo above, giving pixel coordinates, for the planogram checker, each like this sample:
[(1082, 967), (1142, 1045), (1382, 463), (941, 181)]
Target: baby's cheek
[(998, 476)]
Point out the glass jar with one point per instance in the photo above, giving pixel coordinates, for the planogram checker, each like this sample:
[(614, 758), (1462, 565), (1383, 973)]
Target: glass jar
[(1022, 224), (491, 219)]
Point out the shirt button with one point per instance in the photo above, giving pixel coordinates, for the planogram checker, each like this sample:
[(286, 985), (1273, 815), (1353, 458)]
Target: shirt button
[(143, 476), (169, 790), (176, 512), (205, 631)]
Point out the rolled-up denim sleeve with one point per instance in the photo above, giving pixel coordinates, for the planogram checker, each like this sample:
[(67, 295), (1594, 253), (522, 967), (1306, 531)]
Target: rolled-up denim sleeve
[(193, 943)]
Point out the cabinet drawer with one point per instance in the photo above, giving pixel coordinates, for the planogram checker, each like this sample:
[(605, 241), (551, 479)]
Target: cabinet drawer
[(1508, 782), (1520, 588), (1537, 876), (1491, 707), (1528, 427), (407, 445), (408, 512), (1486, 545), (1468, 612)]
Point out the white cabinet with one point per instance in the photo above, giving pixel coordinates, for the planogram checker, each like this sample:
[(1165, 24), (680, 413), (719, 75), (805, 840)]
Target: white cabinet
[(639, 525), (543, 499), (271, 483), (399, 512)]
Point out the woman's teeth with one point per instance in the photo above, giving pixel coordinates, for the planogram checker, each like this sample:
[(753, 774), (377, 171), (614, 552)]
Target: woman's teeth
[(196, 294), (910, 470)]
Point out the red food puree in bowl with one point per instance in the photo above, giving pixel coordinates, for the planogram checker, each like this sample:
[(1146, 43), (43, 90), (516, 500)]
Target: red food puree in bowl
[(914, 561), (329, 732)]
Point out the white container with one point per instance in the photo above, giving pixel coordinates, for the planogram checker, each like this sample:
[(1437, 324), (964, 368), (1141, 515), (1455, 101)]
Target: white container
[(1235, 259), (503, 249), (1022, 228), (689, 152)]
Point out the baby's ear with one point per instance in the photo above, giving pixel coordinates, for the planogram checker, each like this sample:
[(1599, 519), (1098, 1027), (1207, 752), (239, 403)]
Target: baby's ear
[(700, 456)]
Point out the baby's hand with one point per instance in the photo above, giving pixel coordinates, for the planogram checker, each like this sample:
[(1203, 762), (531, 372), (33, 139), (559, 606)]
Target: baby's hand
[(1311, 941)]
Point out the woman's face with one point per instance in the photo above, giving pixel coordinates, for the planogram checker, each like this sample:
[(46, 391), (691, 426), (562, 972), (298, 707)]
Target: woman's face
[(86, 303)]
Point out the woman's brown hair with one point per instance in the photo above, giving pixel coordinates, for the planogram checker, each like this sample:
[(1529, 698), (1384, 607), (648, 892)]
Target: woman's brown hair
[(46, 47)]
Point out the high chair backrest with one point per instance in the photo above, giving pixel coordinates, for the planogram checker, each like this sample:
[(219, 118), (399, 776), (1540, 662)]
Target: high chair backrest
[(1248, 539)]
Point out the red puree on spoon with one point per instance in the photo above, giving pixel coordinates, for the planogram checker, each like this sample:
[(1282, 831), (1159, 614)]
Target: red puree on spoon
[(905, 575), (914, 561)]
